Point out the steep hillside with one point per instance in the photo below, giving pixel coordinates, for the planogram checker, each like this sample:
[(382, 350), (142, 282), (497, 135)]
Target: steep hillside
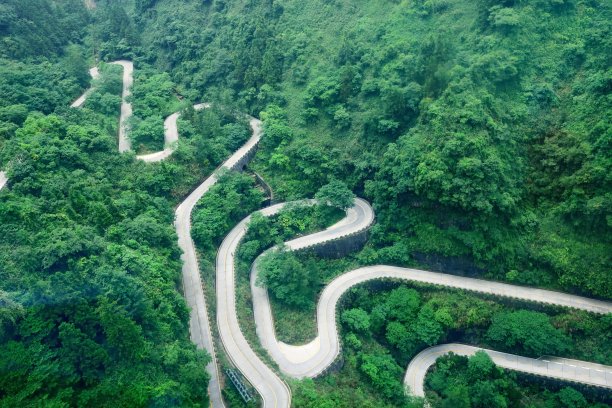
[(478, 129)]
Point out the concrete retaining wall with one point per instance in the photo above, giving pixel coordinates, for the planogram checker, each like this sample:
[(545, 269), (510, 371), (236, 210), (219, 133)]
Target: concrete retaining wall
[(244, 160)]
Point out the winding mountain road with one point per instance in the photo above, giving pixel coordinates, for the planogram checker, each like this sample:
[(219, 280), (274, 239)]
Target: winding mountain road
[(171, 134), (126, 106), (312, 359), (199, 324), (551, 367)]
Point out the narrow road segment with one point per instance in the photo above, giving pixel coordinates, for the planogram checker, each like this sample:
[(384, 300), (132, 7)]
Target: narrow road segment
[(126, 107), (194, 293), (3, 179), (557, 368)]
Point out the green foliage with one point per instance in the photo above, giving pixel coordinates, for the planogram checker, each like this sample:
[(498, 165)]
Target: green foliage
[(336, 194), (287, 279), (149, 132), (529, 331), (428, 329), (569, 397), (91, 314), (76, 65), (106, 99), (39, 27), (232, 198), (40, 87), (210, 135), (383, 372), (113, 31), (356, 319)]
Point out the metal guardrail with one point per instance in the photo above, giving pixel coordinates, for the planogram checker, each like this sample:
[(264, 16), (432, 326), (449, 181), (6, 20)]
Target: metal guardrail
[(236, 379)]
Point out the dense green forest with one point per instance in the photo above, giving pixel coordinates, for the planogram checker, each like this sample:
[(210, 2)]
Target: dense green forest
[(479, 130), (491, 118)]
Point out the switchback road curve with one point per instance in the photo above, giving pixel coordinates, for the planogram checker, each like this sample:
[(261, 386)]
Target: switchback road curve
[(126, 107), (171, 134), (551, 367), (313, 358), (199, 325)]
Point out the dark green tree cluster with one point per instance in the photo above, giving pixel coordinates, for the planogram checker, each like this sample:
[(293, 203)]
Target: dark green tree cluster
[(112, 34), (90, 276), (288, 280), (209, 136), (39, 70), (336, 194), (107, 92), (222, 207)]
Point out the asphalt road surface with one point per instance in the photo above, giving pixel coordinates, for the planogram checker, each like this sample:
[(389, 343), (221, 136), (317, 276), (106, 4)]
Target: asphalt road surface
[(199, 324), (126, 107), (552, 367)]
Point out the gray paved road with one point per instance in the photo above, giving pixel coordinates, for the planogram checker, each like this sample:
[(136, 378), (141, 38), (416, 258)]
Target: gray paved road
[(194, 293), (126, 107), (559, 368), (273, 390), (3, 179)]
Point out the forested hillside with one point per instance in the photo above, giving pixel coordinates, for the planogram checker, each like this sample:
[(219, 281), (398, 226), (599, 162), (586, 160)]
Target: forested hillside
[(480, 131), (90, 311)]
